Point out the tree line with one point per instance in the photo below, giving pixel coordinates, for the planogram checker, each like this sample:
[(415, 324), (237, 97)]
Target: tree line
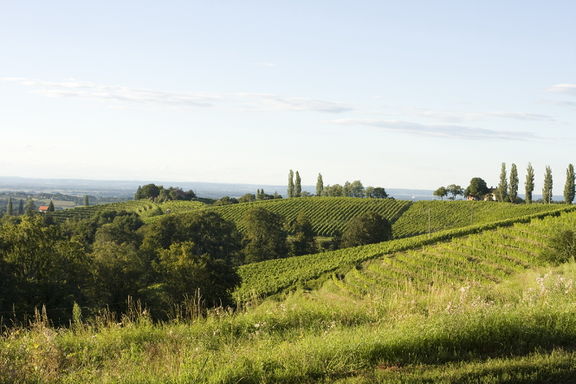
[(508, 185), (349, 189)]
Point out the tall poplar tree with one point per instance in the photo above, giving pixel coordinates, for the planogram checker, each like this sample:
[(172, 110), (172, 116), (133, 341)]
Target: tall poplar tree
[(51, 206), (21, 207), (547, 190), (569, 189), (502, 192), (87, 202), (513, 187), (10, 207), (291, 184), (298, 186), (319, 185), (529, 185)]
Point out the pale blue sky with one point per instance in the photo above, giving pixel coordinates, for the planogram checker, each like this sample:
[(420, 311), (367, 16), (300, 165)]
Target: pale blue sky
[(412, 94)]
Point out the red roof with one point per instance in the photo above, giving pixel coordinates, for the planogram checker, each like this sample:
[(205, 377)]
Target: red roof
[(43, 208)]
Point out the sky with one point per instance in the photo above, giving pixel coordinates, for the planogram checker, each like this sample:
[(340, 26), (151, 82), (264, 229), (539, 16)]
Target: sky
[(399, 94)]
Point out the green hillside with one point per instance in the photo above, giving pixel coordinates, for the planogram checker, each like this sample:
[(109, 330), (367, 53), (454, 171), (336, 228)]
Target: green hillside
[(272, 276), (327, 214), (468, 305), (432, 216)]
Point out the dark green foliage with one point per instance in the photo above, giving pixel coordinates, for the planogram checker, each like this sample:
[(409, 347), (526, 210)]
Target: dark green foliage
[(184, 270), (513, 186), (441, 192), (561, 247), (367, 228), (529, 184), (548, 184), (377, 193), (502, 190), (302, 235), (87, 201), (264, 235), (297, 185), (291, 183), (226, 200), (210, 233), (569, 189), (247, 198), (21, 207), (477, 188), (160, 194), (51, 206), (319, 185)]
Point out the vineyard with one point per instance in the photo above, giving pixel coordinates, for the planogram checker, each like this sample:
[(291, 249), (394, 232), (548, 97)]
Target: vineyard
[(272, 276), (487, 257), (145, 208), (432, 216)]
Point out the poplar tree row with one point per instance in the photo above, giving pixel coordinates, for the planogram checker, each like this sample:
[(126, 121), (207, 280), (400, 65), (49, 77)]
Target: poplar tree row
[(508, 188)]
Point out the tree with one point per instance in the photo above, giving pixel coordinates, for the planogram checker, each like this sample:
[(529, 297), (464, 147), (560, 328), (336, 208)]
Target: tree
[(569, 189), (356, 189), (529, 184), (298, 185), (561, 247), (87, 202), (502, 191), (441, 192), (21, 207), (10, 208), (513, 187), (30, 208), (291, 183), (367, 228), (547, 190), (333, 190), (454, 190), (246, 198), (477, 188), (184, 271), (302, 241), (264, 235), (319, 185), (51, 206), (379, 193)]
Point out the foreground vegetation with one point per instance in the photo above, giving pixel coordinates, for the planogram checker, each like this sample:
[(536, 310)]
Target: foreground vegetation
[(519, 329)]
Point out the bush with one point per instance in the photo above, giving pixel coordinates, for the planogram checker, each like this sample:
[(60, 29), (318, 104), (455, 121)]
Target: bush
[(561, 247)]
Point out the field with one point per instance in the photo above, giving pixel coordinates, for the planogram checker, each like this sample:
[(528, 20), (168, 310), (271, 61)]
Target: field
[(469, 305)]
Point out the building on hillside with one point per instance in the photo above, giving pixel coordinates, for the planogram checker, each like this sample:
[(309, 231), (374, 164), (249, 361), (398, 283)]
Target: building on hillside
[(43, 209)]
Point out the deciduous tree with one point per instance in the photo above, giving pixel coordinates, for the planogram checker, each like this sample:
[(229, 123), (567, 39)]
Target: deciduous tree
[(367, 228)]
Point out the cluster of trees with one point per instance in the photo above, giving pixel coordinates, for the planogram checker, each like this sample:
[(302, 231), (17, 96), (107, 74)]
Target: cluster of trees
[(453, 190), (507, 190), (158, 193), (248, 197), (349, 189)]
